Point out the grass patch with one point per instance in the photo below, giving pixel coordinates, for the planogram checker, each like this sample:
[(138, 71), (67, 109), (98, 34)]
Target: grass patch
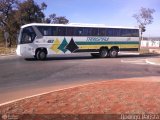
[(5, 51)]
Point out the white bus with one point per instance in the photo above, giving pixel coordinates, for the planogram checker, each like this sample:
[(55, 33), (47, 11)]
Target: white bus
[(41, 40)]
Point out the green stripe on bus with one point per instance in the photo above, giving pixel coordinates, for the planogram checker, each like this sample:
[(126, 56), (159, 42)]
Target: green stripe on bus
[(102, 43)]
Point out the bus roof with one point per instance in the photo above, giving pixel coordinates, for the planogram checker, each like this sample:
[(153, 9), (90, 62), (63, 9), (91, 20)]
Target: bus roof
[(78, 25)]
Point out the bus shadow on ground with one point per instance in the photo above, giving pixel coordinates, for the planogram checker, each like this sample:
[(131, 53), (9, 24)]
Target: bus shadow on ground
[(62, 58), (138, 56), (90, 57)]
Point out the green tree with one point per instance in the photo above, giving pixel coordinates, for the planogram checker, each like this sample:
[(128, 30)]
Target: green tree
[(7, 10), (29, 12), (14, 13), (144, 17), (1, 37), (57, 20)]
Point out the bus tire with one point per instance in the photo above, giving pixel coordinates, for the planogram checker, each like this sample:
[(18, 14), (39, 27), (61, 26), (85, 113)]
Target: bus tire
[(103, 52), (42, 55), (95, 55), (37, 55), (113, 53)]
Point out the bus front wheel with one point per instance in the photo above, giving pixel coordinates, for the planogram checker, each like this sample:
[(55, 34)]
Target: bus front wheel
[(41, 55)]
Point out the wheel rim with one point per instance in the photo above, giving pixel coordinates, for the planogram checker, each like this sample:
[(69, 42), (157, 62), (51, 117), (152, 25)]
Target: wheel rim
[(103, 52), (42, 55), (113, 53)]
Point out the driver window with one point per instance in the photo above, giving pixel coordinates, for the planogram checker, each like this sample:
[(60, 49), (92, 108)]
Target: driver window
[(28, 35)]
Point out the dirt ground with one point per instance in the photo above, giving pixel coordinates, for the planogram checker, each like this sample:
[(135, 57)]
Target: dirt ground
[(6, 51), (113, 97)]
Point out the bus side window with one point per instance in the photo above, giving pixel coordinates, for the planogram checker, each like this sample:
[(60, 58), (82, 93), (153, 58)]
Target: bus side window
[(61, 31), (95, 31), (123, 33), (79, 31), (129, 33), (109, 32), (70, 31), (117, 32), (102, 32), (135, 33), (45, 32), (48, 31), (87, 31), (54, 31), (113, 32)]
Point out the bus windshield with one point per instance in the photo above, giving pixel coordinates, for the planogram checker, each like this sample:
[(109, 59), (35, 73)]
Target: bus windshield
[(27, 35)]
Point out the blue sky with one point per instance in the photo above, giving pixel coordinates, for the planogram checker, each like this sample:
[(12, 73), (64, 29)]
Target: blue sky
[(109, 12)]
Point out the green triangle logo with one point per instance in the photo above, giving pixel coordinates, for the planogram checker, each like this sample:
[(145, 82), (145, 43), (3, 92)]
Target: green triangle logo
[(63, 45)]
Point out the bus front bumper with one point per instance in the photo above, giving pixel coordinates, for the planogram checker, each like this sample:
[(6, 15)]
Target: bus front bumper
[(23, 52)]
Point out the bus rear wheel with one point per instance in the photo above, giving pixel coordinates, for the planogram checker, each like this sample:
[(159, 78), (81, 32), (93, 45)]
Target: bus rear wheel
[(103, 52), (113, 53)]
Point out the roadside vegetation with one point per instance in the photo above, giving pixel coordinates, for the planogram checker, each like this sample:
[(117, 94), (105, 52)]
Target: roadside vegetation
[(15, 13)]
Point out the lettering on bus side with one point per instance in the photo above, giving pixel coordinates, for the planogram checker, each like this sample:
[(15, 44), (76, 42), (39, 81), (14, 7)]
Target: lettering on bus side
[(97, 39), (50, 41)]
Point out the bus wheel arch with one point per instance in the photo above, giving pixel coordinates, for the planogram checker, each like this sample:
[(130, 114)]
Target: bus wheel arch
[(113, 52), (41, 53), (103, 52)]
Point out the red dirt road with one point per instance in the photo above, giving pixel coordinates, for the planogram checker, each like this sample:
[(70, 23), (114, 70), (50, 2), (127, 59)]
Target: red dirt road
[(124, 96)]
